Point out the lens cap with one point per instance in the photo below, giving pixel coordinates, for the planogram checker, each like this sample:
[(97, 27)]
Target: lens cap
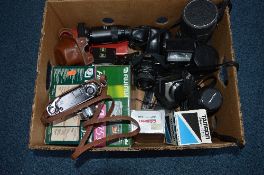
[(211, 99), (205, 55)]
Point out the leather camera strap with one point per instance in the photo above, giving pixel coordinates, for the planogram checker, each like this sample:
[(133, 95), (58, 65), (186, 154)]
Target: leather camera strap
[(94, 121), (82, 147)]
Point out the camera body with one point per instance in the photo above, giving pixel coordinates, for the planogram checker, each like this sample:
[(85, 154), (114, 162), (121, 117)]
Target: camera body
[(199, 19), (184, 91)]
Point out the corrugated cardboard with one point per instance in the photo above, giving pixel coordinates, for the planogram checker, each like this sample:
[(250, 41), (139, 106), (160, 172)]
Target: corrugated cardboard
[(67, 13)]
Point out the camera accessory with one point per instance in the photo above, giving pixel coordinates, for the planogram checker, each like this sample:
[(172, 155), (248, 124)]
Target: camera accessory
[(75, 100), (119, 85), (199, 19), (206, 97), (95, 121), (145, 38), (104, 34), (184, 53), (185, 91), (71, 50), (148, 100), (187, 128), (88, 112), (145, 74), (205, 56), (222, 6), (104, 55), (171, 91), (90, 124), (149, 39), (150, 121), (64, 78), (179, 51), (145, 67), (120, 47)]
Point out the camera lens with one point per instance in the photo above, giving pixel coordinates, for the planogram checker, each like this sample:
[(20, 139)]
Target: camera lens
[(199, 19), (211, 99), (145, 74)]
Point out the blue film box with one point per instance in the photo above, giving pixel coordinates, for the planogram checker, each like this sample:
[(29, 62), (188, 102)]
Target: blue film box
[(187, 128)]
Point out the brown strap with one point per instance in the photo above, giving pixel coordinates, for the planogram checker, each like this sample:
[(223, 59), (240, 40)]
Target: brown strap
[(97, 112), (94, 119), (100, 100), (82, 148), (46, 119)]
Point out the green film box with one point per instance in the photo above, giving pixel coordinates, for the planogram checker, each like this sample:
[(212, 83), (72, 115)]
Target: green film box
[(71, 130), (118, 81), (62, 79)]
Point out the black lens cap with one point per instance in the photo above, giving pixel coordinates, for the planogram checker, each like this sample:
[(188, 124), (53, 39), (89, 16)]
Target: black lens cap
[(205, 55), (211, 99)]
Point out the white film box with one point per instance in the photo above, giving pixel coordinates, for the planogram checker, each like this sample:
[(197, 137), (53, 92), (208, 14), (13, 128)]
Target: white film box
[(150, 121)]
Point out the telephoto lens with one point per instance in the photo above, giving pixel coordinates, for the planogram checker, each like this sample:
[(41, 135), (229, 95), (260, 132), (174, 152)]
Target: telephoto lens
[(145, 38), (199, 19), (104, 34)]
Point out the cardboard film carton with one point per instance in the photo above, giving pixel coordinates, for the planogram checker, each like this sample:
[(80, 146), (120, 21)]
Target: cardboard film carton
[(62, 13), (71, 131), (62, 79), (118, 82), (187, 128)]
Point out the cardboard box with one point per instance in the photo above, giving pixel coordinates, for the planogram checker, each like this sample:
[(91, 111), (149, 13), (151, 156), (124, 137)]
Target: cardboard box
[(67, 13)]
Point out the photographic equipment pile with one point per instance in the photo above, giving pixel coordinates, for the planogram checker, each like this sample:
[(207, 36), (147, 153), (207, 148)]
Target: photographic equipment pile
[(176, 68)]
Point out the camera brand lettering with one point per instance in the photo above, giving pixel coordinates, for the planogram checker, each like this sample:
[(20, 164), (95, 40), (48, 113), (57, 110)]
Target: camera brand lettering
[(205, 126), (126, 82)]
